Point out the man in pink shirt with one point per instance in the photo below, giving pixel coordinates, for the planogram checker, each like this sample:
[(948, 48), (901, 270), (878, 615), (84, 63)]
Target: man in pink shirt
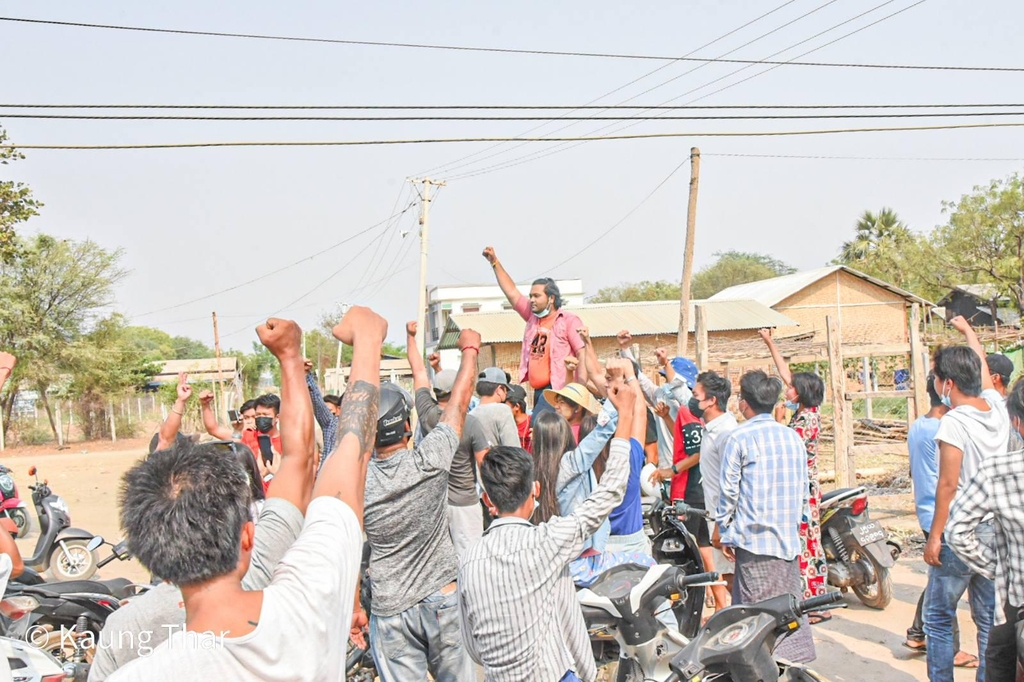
[(551, 333)]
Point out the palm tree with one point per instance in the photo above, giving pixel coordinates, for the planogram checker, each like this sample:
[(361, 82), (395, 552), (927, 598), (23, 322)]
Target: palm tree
[(875, 236)]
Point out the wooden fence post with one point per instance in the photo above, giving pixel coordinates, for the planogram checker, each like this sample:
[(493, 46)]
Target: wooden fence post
[(846, 471), (701, 337), (918, 365)]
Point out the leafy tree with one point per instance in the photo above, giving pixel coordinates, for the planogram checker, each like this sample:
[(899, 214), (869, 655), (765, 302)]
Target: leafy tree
[(662, 290), (52, 293), (875, 235), (983, 241), (735, 267), (16, 204), (190, 349)]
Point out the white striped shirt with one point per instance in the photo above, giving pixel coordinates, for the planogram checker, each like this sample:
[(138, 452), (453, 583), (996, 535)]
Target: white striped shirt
[(520, 617)]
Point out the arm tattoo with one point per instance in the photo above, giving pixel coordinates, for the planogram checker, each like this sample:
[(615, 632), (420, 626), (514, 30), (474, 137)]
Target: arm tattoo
[(359, 415)]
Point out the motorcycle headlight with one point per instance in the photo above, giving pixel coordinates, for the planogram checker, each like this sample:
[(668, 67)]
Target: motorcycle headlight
[(6, 484), (61, 505)]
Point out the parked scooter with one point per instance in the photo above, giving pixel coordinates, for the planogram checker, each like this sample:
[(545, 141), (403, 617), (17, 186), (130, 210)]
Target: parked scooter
[(737, 643), (674, 544), (628, 604), (22, 662), (11, 505), (60, 548), (858, 550)]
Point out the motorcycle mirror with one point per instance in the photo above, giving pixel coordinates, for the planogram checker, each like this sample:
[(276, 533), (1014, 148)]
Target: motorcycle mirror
[(31, 471), (95, 543)]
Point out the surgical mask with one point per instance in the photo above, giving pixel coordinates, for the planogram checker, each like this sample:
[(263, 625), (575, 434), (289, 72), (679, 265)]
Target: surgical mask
[(264, 424), (946, 400), (544, 313), (792, 406), (694, 407)]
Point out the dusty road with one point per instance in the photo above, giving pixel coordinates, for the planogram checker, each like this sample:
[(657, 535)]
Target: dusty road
[(858, 644)]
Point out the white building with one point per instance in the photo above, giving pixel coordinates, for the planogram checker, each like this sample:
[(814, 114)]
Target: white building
[(444, 300)]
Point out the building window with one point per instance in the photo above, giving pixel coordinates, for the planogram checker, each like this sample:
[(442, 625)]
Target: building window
[(470, 307)]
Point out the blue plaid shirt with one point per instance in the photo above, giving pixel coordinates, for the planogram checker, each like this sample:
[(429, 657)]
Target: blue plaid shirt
[(764, 488), (327, 420)]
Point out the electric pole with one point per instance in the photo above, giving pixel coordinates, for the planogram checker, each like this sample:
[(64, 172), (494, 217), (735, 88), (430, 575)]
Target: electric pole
[(424, 240), (691, 224), (219, 388)]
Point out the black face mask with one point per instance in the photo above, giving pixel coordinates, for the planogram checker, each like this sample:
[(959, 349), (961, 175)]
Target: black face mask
[(695, 409), (264, 424)]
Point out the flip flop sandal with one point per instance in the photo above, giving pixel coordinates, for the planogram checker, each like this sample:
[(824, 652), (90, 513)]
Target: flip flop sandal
[(916, 649), (970, 662), (819, 618)]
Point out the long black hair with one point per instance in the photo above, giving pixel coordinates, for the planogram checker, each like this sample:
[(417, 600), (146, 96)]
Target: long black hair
[(552, 438), (551, 290)]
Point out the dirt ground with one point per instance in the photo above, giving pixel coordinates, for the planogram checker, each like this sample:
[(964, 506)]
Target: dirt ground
[(858, 644)]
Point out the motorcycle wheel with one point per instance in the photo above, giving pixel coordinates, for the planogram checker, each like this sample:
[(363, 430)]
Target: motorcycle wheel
[(879, 594), (60, 648), (359, 664), (20, 519), (81, 565)]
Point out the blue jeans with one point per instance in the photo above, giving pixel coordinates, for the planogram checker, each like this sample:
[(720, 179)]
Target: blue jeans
[(424, 637), (946, 585)]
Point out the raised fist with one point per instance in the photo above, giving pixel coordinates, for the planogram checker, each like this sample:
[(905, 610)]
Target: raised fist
[(411, 328), (469, 339), (205, 398), (766, 334), (661, 355), (358, 321), (489, 254), (624, 338), (283, 338)]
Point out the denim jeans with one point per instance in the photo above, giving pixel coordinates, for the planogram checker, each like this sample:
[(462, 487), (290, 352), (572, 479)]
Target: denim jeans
[(425, 637), (946, 585)]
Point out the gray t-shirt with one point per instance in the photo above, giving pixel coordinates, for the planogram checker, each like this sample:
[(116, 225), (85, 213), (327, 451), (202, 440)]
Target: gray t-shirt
[(498, 424), (406, 521), (146, 621), (462, 475)]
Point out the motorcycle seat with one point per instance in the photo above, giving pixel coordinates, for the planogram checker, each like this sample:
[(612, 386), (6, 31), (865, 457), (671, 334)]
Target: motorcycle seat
[(841, 492), (119, 588)]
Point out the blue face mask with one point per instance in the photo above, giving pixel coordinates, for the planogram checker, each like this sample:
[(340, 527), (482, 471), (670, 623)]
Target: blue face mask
[(544, 313), (792, 406), (945, 399)]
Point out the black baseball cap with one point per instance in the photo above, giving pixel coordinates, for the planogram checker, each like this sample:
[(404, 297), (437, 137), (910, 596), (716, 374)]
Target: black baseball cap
[(1001, 365), (517, 396)]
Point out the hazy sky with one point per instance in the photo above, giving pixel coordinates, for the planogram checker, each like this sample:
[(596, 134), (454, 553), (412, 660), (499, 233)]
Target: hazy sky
[(195, 221)]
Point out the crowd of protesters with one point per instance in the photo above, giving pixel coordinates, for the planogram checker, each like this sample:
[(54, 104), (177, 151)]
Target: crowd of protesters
[(480, 524)]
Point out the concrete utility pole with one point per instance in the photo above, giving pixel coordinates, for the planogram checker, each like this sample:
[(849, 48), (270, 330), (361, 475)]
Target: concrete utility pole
[(691, 223), (219, 388), (424, 240)]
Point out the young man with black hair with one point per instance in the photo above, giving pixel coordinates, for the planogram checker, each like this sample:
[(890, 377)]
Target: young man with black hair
[(414, 624), (924, 472), (996, 492), (186, 512), (516, 400), (975, 428), (516, 595), (494, 415), (764, 494), (465, 515), (1000, 368), (710, 400), (551, 333)]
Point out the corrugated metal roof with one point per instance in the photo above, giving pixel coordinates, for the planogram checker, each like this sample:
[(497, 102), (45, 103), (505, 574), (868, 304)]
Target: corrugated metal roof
[(607, 319), (773, 291), (204, 369)]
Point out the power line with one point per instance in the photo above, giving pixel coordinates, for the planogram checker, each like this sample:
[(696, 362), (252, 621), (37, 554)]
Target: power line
[(825, 157), (460, 162), (540, 155), (403, 107), (499, 50), (385, 119), (450, 140), (274, 272), (620, 221)]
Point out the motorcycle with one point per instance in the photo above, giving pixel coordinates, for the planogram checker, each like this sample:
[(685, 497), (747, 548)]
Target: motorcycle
[(60, 548), (359, 665), (858, 550), (738, 642), (674, 544), (11, 505), (628, 604), (21, 662)]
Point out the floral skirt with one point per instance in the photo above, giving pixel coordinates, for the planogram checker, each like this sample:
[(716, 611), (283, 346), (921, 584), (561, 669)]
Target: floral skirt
[(813, 567)]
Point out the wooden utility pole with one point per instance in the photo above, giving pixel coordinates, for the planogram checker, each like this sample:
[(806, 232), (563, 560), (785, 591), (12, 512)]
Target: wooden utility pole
[(691, 224), (421, 317), (701, 336), (113, 427), (220, 384), (846, 472), (918, 366)]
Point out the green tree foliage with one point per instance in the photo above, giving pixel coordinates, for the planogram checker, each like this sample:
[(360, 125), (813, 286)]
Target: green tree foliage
[(52, 293), (662, 290), (16, 204), (983, 241), (735, 267)]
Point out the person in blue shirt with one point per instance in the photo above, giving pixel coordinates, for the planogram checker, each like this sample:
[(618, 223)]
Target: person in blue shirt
[(924, 471)]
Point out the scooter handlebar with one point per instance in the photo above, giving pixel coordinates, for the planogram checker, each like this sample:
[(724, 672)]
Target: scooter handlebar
[(822, 602), (682, 509), (685, 581)]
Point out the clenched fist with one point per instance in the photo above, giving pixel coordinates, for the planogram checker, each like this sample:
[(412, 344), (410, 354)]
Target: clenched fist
[(283, 338)]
